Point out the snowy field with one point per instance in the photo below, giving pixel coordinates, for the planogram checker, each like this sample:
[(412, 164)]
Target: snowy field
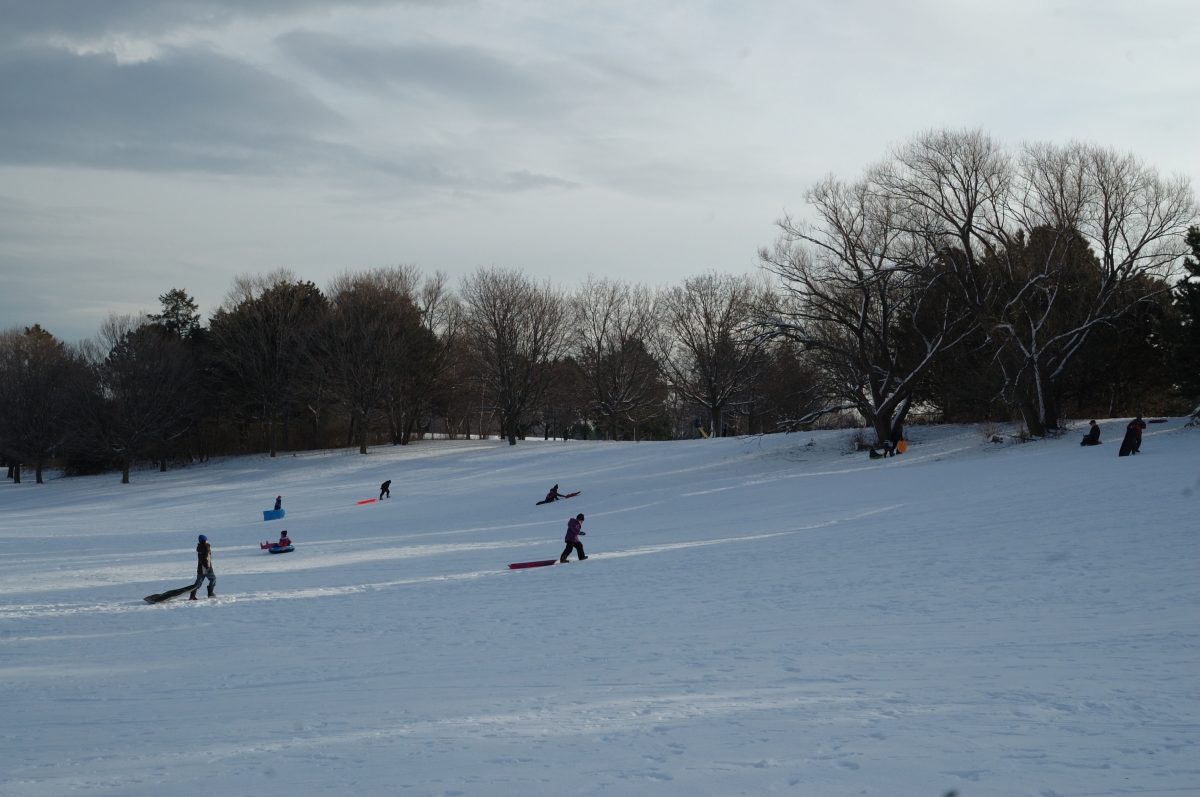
[(757, 616)]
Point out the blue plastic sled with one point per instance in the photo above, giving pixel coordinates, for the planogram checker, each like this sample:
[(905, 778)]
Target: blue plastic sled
[(277, 549), (272, 514)]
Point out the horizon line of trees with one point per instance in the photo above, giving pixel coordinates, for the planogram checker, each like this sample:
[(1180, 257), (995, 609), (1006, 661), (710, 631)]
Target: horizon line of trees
[(957, 278)]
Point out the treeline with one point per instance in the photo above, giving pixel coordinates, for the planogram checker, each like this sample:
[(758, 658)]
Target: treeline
[(389, 355), (956, 279)]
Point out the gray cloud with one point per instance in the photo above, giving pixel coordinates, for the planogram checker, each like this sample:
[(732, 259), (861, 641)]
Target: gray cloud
[(92, 18), (431, 72), (189, 109)]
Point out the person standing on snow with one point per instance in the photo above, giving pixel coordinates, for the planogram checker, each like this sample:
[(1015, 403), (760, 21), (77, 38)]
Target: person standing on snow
[(204, 569), (1137, 424), (385, 489), (574, 532), (278, 502)]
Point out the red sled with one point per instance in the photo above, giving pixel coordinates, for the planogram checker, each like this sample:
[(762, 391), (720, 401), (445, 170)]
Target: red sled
[(568, 495), (368, 501), (523, 565)]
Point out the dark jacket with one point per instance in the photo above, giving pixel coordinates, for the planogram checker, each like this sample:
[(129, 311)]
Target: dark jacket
[(204, 557), (1093, 435), (1138, 424)]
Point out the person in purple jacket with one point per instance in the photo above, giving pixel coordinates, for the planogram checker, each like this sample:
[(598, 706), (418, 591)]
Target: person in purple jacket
[(574, 532)]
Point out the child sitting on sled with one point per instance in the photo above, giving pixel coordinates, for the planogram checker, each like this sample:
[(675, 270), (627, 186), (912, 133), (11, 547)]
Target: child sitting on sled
[(283, 542)]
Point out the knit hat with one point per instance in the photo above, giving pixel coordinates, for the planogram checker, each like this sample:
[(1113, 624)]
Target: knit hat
[(203, 538)]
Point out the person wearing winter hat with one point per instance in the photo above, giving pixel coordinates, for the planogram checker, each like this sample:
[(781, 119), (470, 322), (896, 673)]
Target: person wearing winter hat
[(574, 532), (204, 569)]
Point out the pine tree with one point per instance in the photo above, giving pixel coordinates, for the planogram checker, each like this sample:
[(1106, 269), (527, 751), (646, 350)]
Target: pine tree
[(1186, 297), (180, 316)]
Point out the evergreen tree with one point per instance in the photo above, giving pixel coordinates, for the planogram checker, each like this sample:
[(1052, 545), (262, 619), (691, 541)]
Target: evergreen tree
[(180, 316), (1186, 337)]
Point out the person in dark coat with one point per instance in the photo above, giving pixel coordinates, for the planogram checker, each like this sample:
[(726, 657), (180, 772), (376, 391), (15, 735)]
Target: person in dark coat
[(204, 569), (553, 495), (1092, 438), (385, 490), (574, 532), (1139, 425), (278, 502)]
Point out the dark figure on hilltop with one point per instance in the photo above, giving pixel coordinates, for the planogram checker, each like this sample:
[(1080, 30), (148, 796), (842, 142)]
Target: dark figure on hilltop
[(553, 495), (385, 490), (1132, 443), (278, 502), (1092, 438)]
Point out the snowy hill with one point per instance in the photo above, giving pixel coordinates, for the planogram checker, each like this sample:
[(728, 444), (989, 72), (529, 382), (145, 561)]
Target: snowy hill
[(756, 616)]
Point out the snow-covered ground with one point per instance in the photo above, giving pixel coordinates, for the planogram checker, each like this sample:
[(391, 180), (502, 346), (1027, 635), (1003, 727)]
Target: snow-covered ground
[(756, 616)]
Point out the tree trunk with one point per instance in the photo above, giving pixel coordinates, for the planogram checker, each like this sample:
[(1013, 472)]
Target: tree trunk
[(883, 428), (1029, 411), (125, 470), (16, 472), (1050, 405), (362, 437), (271, 435), (162, 460), (38, 471)]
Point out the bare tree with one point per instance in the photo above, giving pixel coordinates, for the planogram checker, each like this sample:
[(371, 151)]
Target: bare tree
[(867, 298), (262, 337), (140, 391), (421, 383), (982, 207), (709, 353), (614, 328), (374, 345), (36, 373), (516, 329)]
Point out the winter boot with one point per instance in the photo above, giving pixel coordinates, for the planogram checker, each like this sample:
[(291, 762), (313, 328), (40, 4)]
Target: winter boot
[(192, 597), (582, 558), (211, 593)]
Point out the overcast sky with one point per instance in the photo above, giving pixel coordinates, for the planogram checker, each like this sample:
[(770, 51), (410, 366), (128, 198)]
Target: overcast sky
[(150, 145)]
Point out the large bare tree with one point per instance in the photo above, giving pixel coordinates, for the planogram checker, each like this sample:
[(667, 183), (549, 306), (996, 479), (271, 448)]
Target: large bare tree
[(374, 346), (1011, 224), (516, 329), (866, 297), (709, 353), (614, 329), (36, 375), (140, 391)]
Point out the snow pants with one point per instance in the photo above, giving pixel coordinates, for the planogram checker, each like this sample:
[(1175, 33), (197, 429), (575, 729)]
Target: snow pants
[(203, 574), (576, 546)]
